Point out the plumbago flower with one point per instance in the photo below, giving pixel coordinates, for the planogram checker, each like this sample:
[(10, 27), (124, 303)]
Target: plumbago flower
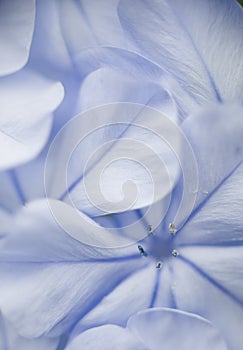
[(56, 275), (61, 281)]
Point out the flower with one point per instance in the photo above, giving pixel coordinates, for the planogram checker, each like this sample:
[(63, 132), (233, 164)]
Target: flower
[(62, 271), (62, 282)]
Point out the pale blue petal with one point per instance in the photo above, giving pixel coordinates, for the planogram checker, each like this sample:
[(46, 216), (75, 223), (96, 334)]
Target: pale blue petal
[(218, 221), (131, 296), (153, 329), (198, 42), (115, 85), (48, 47), (172, 329), (215, 134), (88, 24), (134, 65), (50, 280), (27, 101), (16, 28), (222, 264), (10, 200), (115, 157), (5, 220), (198, 292), (10, 340), (108, 337)]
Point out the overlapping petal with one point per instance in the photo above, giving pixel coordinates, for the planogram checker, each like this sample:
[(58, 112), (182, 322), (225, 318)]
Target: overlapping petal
[(153, 329), (58, 279), (27, 101), (17, 19), (107, 337), (10, 340), (114, 158), (199, 43), (90, 25), (167, 328)]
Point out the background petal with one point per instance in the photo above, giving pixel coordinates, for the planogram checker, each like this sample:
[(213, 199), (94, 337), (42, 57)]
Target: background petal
[(48, 49), (16, 28), (169, 329), (107, 337), (116, 157), (193, 41), (10, 340), (27, 101), (92, 24)]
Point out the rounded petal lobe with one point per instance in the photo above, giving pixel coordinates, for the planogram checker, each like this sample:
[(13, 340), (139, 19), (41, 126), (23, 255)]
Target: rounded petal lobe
[(171, 329), (16, 30), (10, 340), (27, 101), (114, 158), (107, 337)]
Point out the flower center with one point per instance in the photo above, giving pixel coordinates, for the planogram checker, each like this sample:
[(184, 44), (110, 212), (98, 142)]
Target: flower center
[(159, 247)]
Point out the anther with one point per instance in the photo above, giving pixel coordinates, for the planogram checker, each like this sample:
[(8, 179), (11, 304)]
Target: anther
[(175, 253), (150, 230), (172, 229), (159, 265), (141, 251)]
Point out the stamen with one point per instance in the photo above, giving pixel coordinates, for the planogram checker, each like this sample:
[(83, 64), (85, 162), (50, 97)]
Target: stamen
[(175, 253), (141, 251), (159, 265), (150, 230), (172, 229)]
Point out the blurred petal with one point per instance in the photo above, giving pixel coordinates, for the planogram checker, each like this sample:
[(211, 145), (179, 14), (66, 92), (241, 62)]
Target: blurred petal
[(56, 279), (10, 340), (48, 47), (16, 28), (171, 329), (27, 101), (108, 337), (197, 42), (114, 85), (90, 24), (4, 222), (134, 150), (136, 67)]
